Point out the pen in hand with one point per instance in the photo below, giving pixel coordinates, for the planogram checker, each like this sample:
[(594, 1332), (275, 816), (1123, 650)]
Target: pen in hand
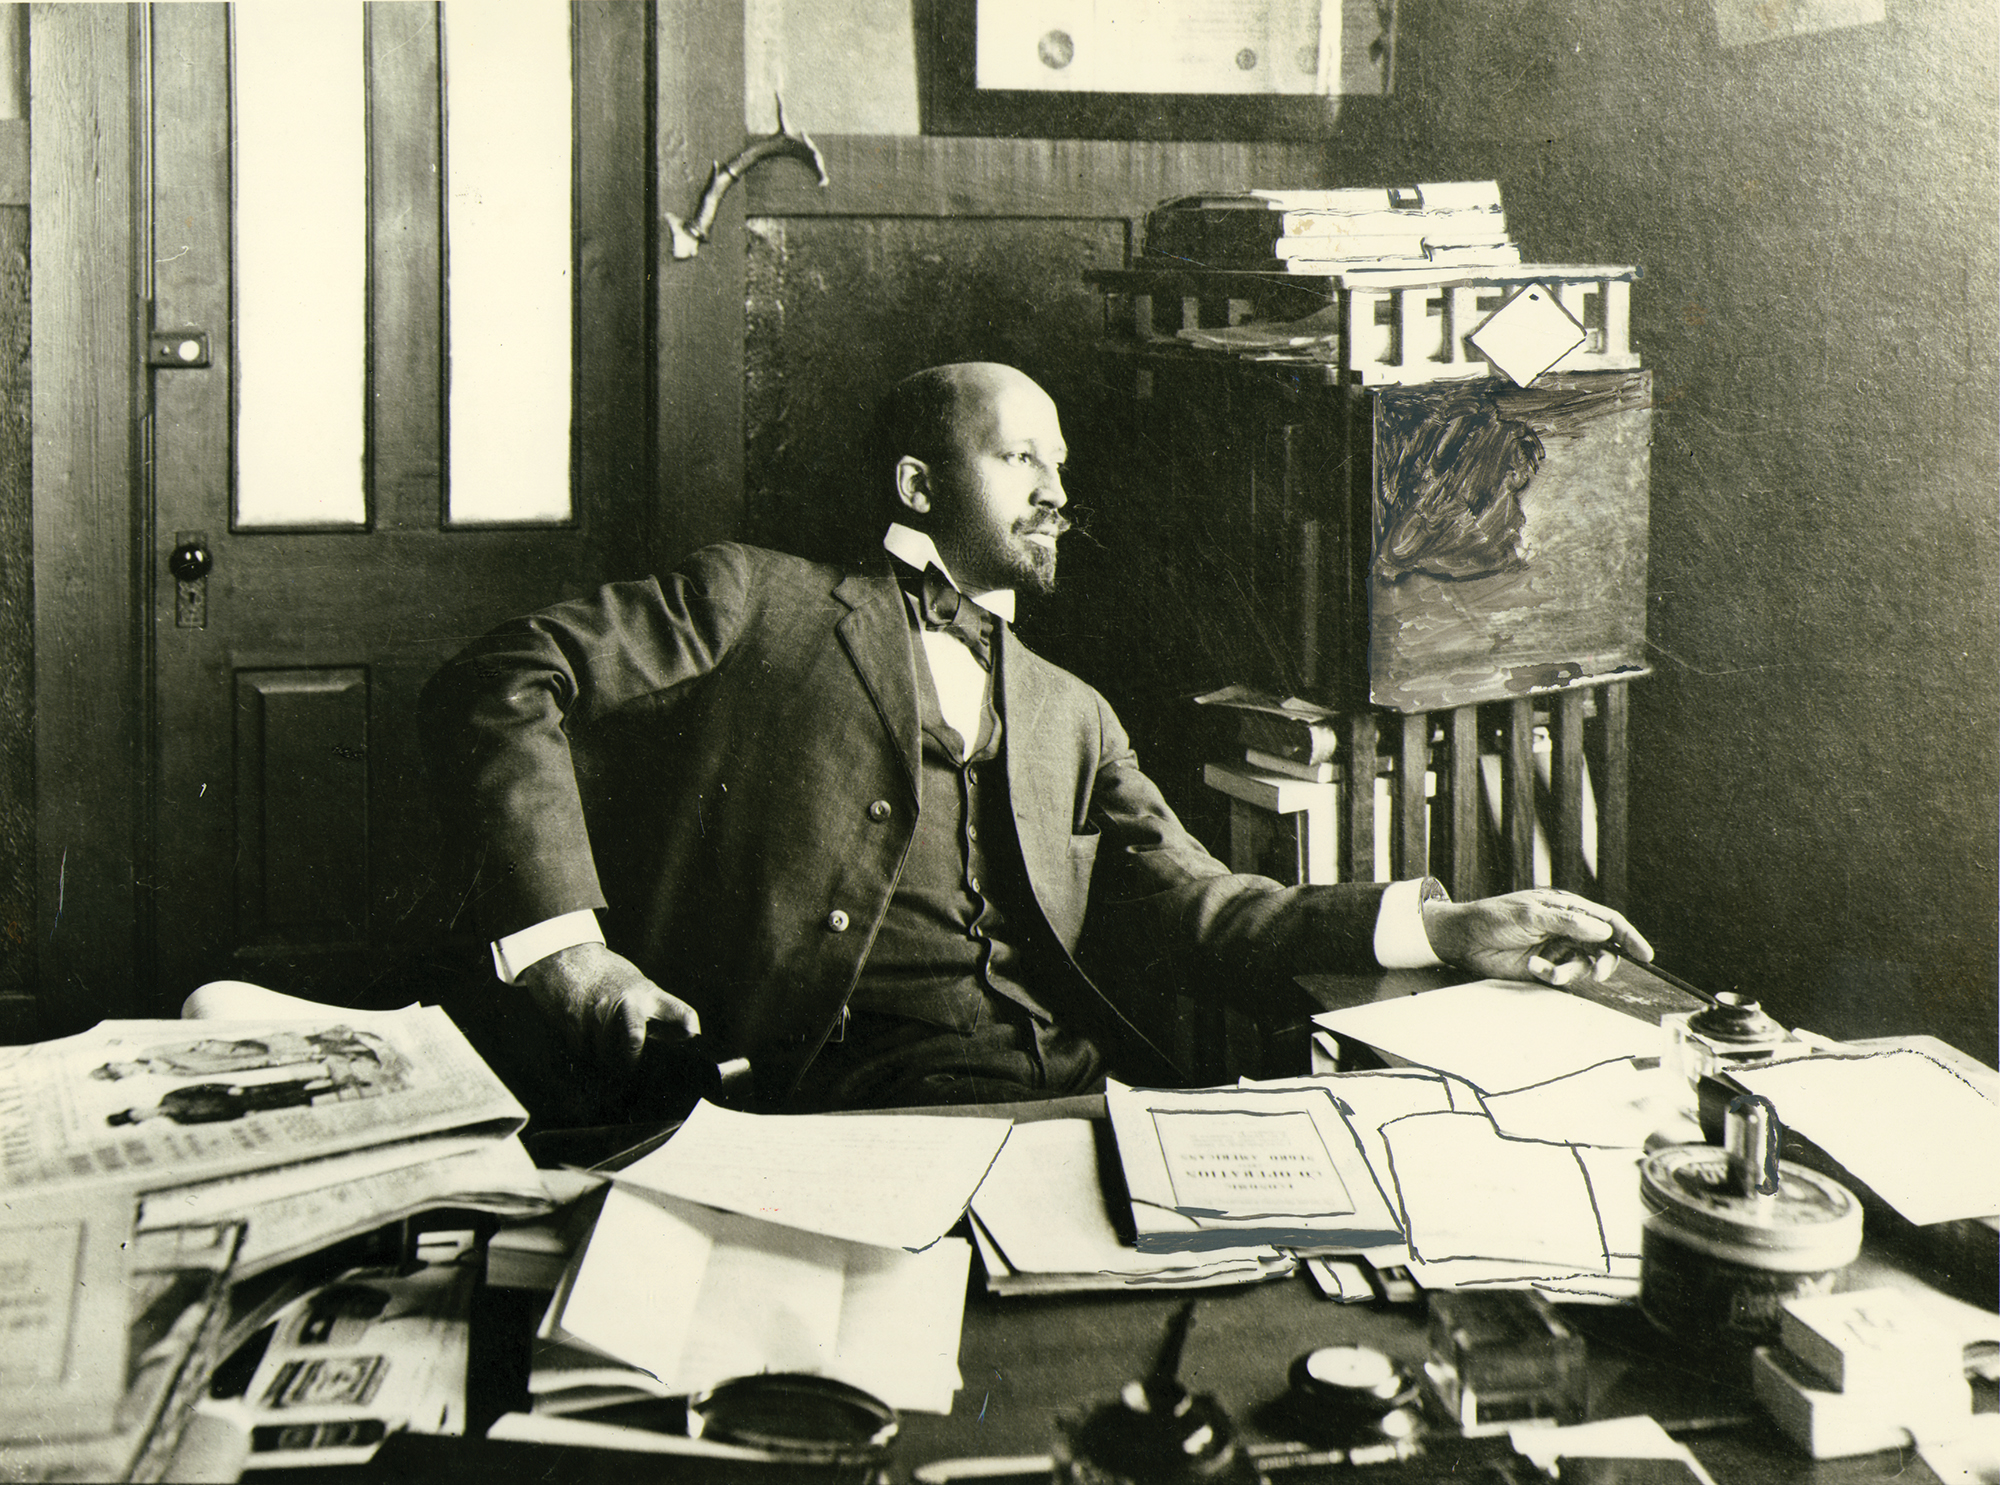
[(1569, 950)]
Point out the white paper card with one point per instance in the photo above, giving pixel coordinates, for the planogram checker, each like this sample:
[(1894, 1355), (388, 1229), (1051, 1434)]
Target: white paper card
[(1916, 1133), (1528, 334), (899, 1180)]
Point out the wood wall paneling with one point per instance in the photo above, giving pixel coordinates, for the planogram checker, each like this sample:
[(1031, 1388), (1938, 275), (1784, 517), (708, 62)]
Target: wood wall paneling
[(17, 727), (615, 203), (17, 714), (87, 730), (839, 308), (698, 303), (895, 175), (405, 183), (13, 162)]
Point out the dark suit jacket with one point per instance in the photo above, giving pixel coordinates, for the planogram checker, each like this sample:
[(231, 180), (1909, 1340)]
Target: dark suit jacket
[(726, 764)]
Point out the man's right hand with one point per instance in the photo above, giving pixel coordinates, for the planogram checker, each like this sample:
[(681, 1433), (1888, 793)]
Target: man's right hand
[(603, 1003)]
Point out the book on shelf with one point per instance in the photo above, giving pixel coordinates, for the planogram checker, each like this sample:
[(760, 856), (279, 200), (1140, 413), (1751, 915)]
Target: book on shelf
[(1282, 726), (1312, 773), (1479, 224), (1465, 195), (1417, 245), (1460, 222), (1293, 739)]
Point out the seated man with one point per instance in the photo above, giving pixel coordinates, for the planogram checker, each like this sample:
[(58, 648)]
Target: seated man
[(845, 824)]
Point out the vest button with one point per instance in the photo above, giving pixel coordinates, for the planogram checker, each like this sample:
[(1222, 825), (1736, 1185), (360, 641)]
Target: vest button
[(879, 810), (837, 921)]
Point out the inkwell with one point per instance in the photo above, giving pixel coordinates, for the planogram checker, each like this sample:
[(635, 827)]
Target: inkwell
[(1156, 1431)]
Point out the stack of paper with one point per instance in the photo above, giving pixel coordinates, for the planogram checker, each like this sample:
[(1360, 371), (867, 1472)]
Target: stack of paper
[(1043, 1227), (1481, 1207), (764, 1243), (285, 1131), (1520, 1168), (308, 1123), (1325, 231), (107, 1351)]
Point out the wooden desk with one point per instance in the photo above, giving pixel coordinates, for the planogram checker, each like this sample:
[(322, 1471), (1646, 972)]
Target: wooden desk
[(1027, 1362)]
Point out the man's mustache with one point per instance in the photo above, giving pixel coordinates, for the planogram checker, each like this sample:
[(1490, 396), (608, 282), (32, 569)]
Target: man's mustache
[(1052, 524)]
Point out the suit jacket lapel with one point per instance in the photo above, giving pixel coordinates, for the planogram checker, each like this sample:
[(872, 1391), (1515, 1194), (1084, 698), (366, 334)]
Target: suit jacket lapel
[(1039, 788), (876, 635), (1042, 766)]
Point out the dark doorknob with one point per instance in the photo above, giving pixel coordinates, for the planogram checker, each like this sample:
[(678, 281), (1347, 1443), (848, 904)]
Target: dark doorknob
[(190, 560)]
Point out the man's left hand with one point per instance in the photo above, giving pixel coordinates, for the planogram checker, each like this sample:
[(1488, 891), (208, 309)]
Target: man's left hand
[(1542, 934)]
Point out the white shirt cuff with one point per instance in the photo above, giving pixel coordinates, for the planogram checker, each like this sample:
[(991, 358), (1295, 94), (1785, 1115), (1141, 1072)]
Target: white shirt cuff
[(517, 951), (1400, 940)]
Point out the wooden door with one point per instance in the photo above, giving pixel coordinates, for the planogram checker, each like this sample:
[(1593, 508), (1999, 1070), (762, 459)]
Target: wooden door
[(292, 840)]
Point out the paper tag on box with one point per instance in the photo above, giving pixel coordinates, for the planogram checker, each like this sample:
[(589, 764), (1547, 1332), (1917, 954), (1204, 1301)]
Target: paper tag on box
[(1528, 334)]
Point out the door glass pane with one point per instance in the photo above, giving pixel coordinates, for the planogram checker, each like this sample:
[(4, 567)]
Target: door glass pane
[(507, 146), (301, 265)]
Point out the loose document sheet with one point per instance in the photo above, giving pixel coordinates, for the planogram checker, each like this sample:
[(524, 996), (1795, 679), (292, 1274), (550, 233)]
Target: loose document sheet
[(1484, 1205), (694, 1296), (1042, 1225), (1917, 1133), (1498, 1035), (897, 1180)]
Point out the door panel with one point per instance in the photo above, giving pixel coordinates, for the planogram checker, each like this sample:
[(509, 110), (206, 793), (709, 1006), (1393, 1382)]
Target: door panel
[(302, 790), (294, 843)]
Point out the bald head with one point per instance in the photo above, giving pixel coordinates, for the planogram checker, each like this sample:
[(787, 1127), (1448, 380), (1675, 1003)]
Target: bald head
[(974, 454), (926, 414)]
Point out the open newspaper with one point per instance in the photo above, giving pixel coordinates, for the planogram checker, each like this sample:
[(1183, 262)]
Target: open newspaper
[(146, 1104), (287, 1131)]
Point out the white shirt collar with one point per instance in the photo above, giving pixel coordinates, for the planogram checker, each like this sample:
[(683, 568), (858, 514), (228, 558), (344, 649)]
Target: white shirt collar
[(916, 549)]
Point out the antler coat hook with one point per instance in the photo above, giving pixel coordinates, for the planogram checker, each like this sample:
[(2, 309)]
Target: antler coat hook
[(688, 236)]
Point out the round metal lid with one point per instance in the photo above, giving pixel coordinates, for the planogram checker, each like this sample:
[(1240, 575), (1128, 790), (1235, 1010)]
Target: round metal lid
[(1810, 1221)]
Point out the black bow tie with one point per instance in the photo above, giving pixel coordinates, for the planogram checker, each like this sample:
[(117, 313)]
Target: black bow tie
[(939, 606)]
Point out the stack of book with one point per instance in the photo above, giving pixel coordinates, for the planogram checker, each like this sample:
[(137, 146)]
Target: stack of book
[(1332, 231), (1281, 735)]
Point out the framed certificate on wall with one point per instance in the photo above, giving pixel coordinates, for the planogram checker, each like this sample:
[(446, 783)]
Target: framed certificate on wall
[(1153, 69)]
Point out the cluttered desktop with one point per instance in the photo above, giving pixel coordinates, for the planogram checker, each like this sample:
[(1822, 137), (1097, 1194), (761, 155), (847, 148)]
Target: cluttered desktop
[(1617, 1233)]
